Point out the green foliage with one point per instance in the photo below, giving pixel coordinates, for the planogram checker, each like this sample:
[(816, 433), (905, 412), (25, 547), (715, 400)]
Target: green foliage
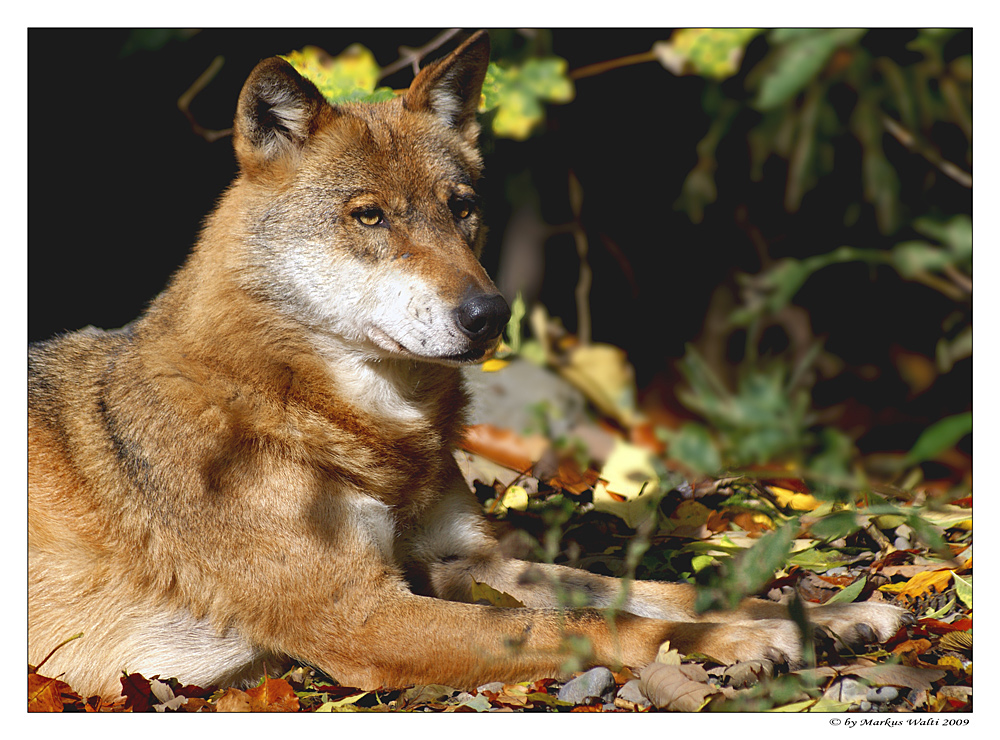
[(715, 53), (518, 92), (747, 572), (800, 55), (764, 420), (790, 86), (939, 437), (347, 78), (515, 91)]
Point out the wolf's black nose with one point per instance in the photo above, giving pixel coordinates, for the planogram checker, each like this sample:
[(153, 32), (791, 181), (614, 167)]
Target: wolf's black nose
[(483, 316)]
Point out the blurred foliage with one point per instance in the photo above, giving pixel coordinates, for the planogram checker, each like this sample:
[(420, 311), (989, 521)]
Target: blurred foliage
[(348, 77), (514, 91)]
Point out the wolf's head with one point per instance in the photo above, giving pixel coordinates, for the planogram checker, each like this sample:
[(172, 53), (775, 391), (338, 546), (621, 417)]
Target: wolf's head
[(362, 220)]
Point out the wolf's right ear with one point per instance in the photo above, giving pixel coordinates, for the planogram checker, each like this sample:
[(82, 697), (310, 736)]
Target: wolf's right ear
[(277, 111)]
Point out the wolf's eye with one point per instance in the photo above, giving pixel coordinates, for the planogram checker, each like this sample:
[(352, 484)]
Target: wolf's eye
[(461, 207), (369, 216)]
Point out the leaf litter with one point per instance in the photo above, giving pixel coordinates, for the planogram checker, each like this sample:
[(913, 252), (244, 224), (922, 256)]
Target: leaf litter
[(619, 508)]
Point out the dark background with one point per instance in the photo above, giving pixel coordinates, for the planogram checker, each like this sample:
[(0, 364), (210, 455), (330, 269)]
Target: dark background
[(119, 185)]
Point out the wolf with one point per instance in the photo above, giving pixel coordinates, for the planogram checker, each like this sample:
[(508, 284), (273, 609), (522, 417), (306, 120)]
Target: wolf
[(260, 467)]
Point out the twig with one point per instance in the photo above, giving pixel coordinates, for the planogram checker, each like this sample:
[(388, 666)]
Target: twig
[(911, 142), (184, 102), (408, 56), (600, 67), (586, 277), (958, 277), (53, 650)]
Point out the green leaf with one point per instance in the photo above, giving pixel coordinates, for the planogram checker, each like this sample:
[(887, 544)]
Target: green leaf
[(939, 437), (956, 233), (348, 77), (798, 60), (850, 593), (835, 526), (693, 445), (818, 561), (963, 587), (518, 93), (911, 258), (715, 53)]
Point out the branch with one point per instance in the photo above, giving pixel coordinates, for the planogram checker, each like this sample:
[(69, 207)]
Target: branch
[(911, 142), (600, 67), (184, 102), (412, 57)]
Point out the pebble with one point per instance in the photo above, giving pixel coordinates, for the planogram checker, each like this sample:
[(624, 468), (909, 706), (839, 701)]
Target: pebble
[(598, 682), (879, 694)]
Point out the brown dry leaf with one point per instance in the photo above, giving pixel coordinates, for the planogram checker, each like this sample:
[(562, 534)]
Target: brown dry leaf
[(274, 695), (916, 647), (504, 447), (956, 641), (675, 688), (570, 478), (233, 700), (886, 674), (47, 694)]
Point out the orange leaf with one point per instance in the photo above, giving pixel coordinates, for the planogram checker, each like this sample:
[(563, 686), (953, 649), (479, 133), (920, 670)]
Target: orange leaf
[(503, 446), (274, 695), (921, 583), (46, 694)]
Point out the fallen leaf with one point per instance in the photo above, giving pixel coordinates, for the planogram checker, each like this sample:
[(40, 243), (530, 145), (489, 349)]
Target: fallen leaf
[(628, 483), (936, 580), (274, 695), (483, 593), (676, 688), (233, 700), (963, 587), (793, 499), (888, 674), (503, 446), (137, 691), (603, 374), (515, 497), (47, 694)]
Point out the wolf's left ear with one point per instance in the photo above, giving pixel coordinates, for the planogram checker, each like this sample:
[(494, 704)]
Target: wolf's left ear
[(277, 111), (450, 88)]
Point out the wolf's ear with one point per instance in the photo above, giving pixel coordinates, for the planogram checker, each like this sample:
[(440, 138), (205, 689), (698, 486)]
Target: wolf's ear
[(277, 111), (450, 88)]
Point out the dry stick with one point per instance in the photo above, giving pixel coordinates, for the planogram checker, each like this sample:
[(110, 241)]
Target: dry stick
[(962, 280), (586, 274), (412, 57), (53, 650), (911, 142), (184, 102), (600, 67)]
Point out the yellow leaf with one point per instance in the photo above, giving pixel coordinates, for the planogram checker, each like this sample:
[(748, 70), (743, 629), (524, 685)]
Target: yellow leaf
[(691, 514), (515, 497), (485, 593), (931, 580), (603, 374), (492, 365), (791, 499), (627, 473)]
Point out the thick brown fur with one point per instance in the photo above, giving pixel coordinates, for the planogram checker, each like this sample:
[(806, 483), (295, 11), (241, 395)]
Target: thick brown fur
[(260, 467)]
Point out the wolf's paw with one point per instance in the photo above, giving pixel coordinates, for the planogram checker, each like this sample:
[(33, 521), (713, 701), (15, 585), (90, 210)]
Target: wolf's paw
[(774, 640), (864, 623)]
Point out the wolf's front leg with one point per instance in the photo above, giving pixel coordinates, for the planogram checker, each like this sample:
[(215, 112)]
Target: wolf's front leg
[(454, 548)]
